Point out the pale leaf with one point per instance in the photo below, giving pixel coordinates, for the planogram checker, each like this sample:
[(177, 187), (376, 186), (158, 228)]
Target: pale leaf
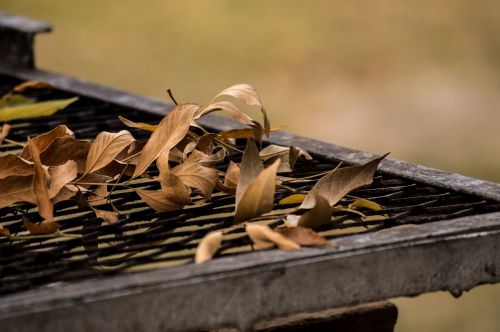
[(340, 181), (43, 108), (174, 190), (208, 246), (138, 125), (232, 176), (264, 238), (171, 130), (196, 176), (109, 216), (105, 148), (258, 198)]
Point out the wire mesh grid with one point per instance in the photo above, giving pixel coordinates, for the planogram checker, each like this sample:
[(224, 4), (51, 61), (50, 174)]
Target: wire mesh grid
[(144, 239)]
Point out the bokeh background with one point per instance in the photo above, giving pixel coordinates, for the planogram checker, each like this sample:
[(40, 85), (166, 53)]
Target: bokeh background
[(418, 78)]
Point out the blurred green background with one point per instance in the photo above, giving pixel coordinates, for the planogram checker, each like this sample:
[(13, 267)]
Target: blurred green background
[(417, 78)]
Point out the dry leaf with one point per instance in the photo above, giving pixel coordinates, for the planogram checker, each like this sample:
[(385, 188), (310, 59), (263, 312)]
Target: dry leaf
[(232, 176), (247, 94), (138, 125), (208, 160), (16, 189), (208, 246), (292, 199), (258, 198), (196, 176), (303, 236), (264, 238), (99, 197), (228, 107), (66, 148), (174, 190), (41, 182), (251, 166), (31, 85), (4, 131), (13, 165), (45, 227), (288, 156), (4, 231), (60, 176), (44, 140), (26, 111), (109, 216), (158, 200), (319, 215), (105, 148), (171, 131), (340, 181)]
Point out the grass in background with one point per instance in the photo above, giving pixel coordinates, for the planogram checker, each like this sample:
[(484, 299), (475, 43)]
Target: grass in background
[(418, 78)]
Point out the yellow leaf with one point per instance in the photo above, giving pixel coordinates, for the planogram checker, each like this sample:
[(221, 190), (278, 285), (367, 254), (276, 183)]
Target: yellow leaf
[(365, 203), (207, 247), (294, 198), (138, 125), (43, 108)]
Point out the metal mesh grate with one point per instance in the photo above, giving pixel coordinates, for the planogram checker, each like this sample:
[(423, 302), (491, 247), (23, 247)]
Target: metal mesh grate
[(145, 239)]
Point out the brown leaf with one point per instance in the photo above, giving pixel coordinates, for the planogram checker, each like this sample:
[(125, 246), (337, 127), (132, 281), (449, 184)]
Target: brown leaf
[(319, 215), (105, 148), (109, 216), (99, 197), (209, 160), (66, 192), (258, 198), (41, 185), (228, 107), (31, 85), (340, 181), (196, 176), (13, 165), (288, 156), (247, 94), (63, 149), (44, 140), (4, 231), (60, 176), (264, 238), (138, 125), (158, 200), (4, 131), (174, 190), (16, 189), (232, 176), (171, 131), (251, 166), (303, 236), (207, 247), (48, 226)]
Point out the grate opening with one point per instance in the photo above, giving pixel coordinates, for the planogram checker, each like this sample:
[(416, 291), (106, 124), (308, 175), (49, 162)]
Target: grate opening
[(144, 239)]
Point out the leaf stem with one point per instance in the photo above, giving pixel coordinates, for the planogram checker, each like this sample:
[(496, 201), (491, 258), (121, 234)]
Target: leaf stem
[(170, 94)]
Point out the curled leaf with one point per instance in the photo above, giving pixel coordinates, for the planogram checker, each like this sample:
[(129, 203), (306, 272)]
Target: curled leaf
[(48, 226), (158, 200), (4, 131), (319, 215), (365, 203), (109, 216), (138, 125), (340, 181), (13, 165), (41, 181), (232, 176), (264, 238), (44, 140), (251, 166), (207, 247), (60, 176), (171, 130), (196, 176), (292, 199)]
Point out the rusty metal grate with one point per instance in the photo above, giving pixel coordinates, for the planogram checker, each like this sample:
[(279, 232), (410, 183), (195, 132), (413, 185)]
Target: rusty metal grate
[(144, 239)]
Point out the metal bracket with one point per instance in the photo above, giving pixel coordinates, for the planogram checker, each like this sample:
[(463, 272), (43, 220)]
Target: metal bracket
[(17, 36)]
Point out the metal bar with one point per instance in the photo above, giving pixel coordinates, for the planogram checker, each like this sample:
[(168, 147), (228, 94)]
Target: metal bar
[(231, 291)]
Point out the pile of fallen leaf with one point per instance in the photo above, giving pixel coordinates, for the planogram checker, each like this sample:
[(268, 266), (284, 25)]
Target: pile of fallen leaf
[(182, 155)]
